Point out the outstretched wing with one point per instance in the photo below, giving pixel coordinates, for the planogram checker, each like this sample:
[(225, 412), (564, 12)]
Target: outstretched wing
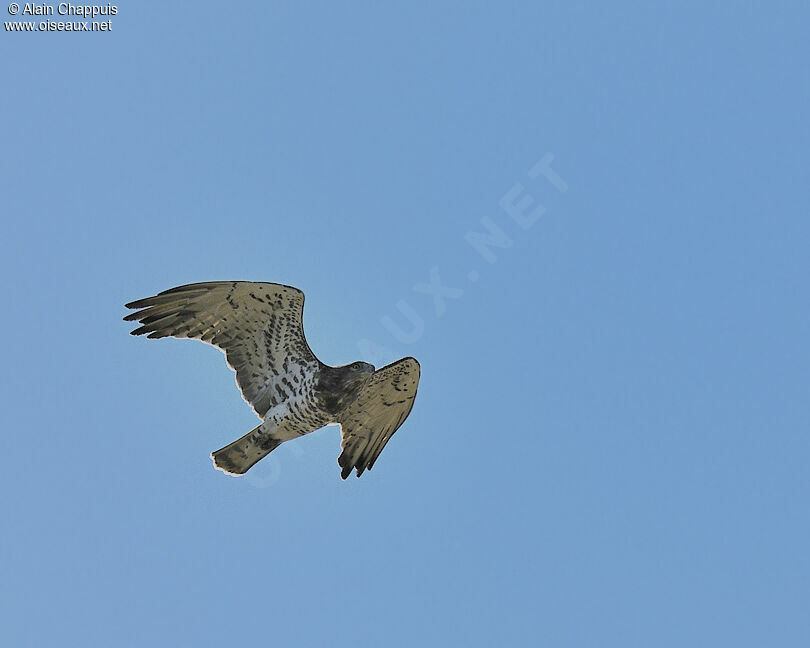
[(371, 420), (259, 326)]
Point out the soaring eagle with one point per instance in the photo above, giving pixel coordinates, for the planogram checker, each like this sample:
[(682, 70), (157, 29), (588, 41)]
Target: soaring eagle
[(259, 327)]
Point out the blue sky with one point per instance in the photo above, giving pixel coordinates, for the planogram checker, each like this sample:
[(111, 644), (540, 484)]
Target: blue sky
[(610, 444)]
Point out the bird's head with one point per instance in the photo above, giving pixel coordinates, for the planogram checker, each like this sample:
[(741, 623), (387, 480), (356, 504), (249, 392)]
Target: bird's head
[(339, 386), (360, 368), (355, 376)]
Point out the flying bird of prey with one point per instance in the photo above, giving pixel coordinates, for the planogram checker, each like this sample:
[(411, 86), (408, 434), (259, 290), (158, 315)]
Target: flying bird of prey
[(259, 327)]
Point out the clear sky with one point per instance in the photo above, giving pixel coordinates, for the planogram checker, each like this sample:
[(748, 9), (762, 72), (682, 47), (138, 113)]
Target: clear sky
[(610, 444)]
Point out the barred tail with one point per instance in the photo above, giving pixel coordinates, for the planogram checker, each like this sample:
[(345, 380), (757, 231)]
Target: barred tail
[(238, 457)]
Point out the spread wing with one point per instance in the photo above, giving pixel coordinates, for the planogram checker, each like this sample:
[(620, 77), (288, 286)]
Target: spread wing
[(259, 326), (373, 417)]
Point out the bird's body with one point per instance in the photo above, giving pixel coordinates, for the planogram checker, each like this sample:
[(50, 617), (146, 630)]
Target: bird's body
[(259, 327)]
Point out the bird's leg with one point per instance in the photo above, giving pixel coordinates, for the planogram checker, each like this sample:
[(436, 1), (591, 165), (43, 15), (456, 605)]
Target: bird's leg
[(272, 431)]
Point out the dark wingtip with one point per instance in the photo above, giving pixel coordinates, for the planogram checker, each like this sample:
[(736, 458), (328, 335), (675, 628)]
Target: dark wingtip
[(140, 303)]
